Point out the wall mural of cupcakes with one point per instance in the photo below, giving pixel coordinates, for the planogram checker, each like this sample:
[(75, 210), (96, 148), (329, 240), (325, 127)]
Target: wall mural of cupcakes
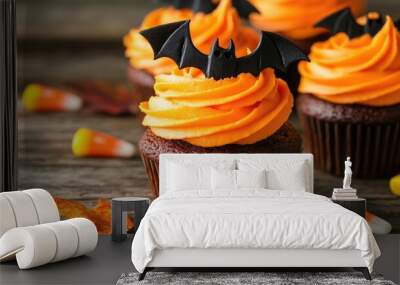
[(350, 95), (217, 102), (223, 22)]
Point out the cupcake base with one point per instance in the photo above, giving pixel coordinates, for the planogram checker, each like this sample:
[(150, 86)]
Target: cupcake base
[(142, 81), (285, 140), (369, 135)]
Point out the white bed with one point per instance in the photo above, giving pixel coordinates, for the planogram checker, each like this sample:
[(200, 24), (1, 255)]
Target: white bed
[(194, 226)]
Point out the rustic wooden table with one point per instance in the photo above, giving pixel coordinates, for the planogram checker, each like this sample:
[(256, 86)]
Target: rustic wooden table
[(46, 161), (60, 43)]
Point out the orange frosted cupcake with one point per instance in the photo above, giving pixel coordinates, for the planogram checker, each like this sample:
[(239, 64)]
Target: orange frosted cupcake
[(217, 102), (350, 101), (223, 23), (194, 114), (295, 19)]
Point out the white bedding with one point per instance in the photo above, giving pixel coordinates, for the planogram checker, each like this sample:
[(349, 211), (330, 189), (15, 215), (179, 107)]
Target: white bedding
[(252, 218)]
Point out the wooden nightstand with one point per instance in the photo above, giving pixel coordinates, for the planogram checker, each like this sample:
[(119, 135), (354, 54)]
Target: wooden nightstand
[(358, 205)]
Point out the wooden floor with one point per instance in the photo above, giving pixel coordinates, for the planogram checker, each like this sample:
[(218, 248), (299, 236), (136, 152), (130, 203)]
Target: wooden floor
[(46, 161)]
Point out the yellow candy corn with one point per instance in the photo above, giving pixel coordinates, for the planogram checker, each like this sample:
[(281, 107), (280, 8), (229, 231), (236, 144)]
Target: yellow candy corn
[(394, 185), (41, 98), (91, 143)]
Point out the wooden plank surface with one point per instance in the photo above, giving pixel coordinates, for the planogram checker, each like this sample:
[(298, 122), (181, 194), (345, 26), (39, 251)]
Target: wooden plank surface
[(86, 20), (46, 158), (74, 62), (69, 40), (46, 161)]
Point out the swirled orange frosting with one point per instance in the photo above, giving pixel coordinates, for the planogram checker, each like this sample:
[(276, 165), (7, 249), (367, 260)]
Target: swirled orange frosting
[(363, 70), (296, 18), (223, 23), (207, 112)]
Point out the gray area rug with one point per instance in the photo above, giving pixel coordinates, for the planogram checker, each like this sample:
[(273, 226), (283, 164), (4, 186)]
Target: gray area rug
[(236, 278)]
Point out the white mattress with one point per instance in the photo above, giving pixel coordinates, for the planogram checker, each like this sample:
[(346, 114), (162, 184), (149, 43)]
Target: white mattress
[(253, 219)]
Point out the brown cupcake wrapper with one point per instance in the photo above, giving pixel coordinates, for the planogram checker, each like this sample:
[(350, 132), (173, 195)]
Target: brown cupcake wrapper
[(151, 166), (373, 148)]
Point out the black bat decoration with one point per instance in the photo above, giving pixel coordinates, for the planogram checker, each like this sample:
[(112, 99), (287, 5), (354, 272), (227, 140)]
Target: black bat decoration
[(174, 41), (397, 24), (344, 21), (244, 7)]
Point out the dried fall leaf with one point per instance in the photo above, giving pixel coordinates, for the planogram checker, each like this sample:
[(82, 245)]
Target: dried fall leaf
[(71, 209), (100, 215), (105, 97)]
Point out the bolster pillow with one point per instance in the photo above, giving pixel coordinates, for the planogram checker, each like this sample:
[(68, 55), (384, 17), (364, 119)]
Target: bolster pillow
[(26, 208), (40, 244)]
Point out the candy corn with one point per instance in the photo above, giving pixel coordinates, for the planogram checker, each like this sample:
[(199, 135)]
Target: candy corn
[(41, 98), (378, 225), (394, 185), (91, 143)]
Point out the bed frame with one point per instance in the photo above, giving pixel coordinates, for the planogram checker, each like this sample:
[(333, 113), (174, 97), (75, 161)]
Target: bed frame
[(242, 259)]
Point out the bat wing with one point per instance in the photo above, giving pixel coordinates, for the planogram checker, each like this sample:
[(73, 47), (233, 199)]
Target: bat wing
[(204, 6), (373, 26), (244, 8), (273, 51), (342, 21), (174, 41), (397, 24)]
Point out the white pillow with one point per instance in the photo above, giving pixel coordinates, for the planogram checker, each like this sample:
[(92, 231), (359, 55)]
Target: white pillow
[(183, 174), (182, 177), (223, 179), (251, 179), (292, 179), (290, 175)]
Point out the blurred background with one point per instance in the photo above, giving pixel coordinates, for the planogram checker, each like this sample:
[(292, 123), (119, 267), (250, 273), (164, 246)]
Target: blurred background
[(84, 37)]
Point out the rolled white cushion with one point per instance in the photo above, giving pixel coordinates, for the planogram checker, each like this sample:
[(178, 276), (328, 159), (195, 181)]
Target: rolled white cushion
[(7, 218), (45, 205), (33, 246), (67, 240), (40, 244), (23, 208), (87, 235), (26, 208)]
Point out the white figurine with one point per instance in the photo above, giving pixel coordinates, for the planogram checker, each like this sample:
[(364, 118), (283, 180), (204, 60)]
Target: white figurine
[(347, 174), (347, 192)]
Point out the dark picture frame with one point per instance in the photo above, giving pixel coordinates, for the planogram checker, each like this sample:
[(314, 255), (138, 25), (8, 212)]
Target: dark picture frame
[(8, 96)]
